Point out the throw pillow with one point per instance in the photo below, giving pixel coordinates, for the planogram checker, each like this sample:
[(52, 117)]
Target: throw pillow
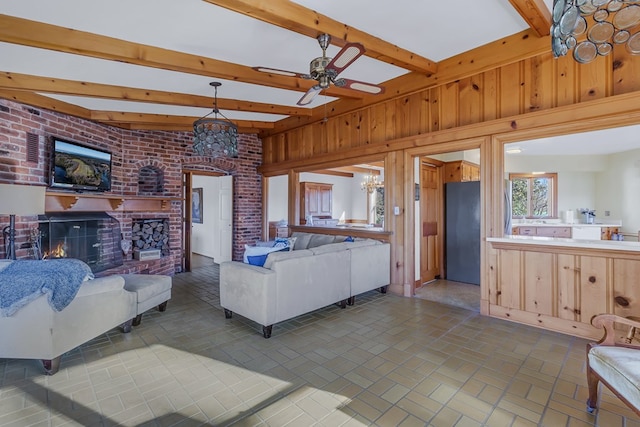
[(349, 239), (285, 242), (257, 255)]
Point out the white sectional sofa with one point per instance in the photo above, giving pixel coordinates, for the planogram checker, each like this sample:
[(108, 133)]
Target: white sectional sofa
[(320, 271)]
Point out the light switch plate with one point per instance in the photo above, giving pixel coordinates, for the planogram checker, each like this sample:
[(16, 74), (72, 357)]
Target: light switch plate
[(396, 210)]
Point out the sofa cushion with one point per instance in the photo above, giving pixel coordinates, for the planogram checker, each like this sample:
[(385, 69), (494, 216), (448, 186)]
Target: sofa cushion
[(105, 284), (331, 247), (302, 240), (274, 257), (146, 285), (320, 239)]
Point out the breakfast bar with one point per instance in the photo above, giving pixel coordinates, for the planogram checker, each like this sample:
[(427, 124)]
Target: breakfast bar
[(561, 283)]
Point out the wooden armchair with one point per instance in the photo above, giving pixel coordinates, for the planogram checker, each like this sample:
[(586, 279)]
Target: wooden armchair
[(615, 364)]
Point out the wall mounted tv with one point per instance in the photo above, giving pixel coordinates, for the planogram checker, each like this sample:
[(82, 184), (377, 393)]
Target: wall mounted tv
[(78, 167)]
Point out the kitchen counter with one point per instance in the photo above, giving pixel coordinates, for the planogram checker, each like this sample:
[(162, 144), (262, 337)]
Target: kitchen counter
[(613, 245), (563, 224)]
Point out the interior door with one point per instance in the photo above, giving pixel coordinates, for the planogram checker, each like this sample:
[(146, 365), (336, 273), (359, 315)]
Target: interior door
[(430, 212), (225, 218)]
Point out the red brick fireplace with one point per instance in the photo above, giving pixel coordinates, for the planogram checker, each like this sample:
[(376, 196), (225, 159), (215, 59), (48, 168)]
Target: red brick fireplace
[(137, 157)]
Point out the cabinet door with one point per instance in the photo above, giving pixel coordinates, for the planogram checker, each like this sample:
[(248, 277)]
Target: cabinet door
[(325, 196), (553, 231), (311, 196)]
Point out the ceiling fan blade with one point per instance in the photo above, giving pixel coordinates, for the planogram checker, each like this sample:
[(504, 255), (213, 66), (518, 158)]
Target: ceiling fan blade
[(349, 53), (360, 86), (281, 72), (310, 95)]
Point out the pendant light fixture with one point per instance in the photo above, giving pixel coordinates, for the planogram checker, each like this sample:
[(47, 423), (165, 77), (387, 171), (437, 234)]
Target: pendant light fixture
[(213, 136)]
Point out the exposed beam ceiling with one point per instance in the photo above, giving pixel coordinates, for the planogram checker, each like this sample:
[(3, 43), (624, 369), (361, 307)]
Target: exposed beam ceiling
[(147, 65)]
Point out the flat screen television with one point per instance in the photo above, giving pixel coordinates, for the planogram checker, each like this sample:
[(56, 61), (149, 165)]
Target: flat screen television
[(77, 167)]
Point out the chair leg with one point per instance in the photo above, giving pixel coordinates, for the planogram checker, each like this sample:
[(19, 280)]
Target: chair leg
[(163, 307), (228, 314), (351, 300), (126, 326), (592, 381)]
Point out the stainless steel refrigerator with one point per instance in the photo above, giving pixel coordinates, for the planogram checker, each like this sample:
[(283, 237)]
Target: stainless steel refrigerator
[(462, 231)]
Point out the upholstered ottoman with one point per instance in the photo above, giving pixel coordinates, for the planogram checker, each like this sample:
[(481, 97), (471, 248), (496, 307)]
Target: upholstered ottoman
[(151, 290)]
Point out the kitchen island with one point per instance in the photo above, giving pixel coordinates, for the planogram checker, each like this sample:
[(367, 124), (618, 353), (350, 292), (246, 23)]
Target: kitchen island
[(603, 231), (560, 283)]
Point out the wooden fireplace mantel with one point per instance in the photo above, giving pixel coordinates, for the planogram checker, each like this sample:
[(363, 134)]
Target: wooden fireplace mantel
[(92, 202)]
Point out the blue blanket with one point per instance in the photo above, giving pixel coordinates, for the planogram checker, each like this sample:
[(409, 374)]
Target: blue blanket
[(25, 280)]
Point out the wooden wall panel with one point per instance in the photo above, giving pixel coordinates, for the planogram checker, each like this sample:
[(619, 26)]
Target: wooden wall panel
[(377, 129), (594, 287), (510, 90), (625, 287), (625, 72), (490, 95), (434, 102), (449, 103), (594, 79), (565, 82), (470, 104), (509, 270), (538, 278), (539, 87), (568, 287)]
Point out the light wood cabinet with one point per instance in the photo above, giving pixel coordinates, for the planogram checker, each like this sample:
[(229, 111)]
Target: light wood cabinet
[(316, 200), (461, 171), (542, 231), (561, 288)]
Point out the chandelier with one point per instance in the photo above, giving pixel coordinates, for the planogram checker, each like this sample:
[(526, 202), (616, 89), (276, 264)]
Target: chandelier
[(370, 183), (214, 137), (598, 24)]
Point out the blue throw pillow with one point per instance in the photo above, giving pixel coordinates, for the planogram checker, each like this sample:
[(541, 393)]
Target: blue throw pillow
[(257, 255), (349, 239)]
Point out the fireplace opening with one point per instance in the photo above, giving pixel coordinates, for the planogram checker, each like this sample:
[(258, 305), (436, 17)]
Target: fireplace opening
[(91, 237)]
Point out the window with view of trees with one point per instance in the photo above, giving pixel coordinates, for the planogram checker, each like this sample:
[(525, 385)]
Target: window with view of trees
[(534, 195)]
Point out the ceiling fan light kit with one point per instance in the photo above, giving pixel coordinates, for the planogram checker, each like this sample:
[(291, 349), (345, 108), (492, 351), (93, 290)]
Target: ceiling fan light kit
[(215, 137), (592, 27), (325, 71)]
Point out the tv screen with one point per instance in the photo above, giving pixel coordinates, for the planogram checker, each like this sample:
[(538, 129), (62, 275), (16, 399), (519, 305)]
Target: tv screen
[(78, 167)]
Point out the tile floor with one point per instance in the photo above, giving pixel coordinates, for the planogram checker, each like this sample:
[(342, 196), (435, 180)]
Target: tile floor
[(387, 361)]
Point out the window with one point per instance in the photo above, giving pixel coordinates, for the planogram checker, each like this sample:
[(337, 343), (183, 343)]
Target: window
[(534, 195)]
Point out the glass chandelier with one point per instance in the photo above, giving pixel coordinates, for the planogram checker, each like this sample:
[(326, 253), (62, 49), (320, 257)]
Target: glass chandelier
[(598, 24), (370, 183), (214, 137)]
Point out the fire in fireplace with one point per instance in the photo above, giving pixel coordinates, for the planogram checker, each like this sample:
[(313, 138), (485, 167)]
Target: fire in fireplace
[(91, 237)]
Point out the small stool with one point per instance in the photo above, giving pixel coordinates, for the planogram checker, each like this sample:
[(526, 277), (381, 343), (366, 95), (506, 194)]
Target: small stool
[(151, 290)]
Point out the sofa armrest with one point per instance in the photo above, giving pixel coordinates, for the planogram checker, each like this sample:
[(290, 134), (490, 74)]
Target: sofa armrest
[(249, 291), (101, 285)]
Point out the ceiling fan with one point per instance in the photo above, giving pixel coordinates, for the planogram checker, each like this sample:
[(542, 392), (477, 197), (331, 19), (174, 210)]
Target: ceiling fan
[(325, 71)]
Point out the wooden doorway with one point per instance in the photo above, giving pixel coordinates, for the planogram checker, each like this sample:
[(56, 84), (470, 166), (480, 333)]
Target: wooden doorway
[(431, 223)]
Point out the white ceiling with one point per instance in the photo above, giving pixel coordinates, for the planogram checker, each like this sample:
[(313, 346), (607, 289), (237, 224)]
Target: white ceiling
[(435, 30)]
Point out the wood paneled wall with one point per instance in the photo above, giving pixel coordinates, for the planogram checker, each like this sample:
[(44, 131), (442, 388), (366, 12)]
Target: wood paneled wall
[(534, 84)]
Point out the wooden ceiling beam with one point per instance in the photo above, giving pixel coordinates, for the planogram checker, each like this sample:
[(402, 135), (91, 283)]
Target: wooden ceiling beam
[(299, 19), (536, 14), (46, 36), (167, 127), (41, 101), (143, 118), (15, 81)]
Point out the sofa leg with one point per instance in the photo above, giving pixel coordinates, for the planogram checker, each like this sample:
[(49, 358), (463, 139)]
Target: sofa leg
[(592, 382), (137, 320), (351, 300), (266, 331), (228, 314), (163, 306), (126, 326), (51, 366), (383, 289)]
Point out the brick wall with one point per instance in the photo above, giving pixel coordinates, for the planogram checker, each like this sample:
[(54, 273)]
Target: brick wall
[(167, 152)]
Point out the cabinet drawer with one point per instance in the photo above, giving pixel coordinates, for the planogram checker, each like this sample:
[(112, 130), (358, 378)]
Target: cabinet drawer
[(527, 231), (553, 231)]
